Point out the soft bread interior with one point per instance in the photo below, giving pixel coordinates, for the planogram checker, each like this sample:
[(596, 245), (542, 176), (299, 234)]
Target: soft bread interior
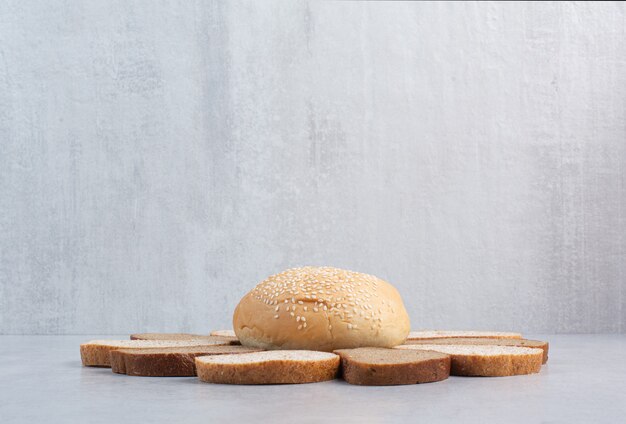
[(269, 356)]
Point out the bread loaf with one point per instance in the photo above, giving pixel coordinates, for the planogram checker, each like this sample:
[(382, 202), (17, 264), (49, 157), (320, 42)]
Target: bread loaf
[(321, 309)]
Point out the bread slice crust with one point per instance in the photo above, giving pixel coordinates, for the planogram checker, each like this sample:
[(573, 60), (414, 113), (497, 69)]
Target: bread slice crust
[(538, 344), (439, 334), (96, 352), (370, 366), (224, 333), (184, 336), (487, 361), (271, 367), (168, 361)]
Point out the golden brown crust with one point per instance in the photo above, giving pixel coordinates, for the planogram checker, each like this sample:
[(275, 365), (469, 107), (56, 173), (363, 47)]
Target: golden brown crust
[(166, 362), (385, 367), (269, 372), (321, 308), (487, 341)]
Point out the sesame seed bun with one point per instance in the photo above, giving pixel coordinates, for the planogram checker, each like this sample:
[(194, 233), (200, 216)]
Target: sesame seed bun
[(321, 308)]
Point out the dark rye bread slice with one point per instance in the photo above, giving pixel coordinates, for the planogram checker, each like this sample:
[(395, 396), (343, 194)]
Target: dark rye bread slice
[(167, 361), (373, 366), (184, 336), (269, 367), (538, 344), (96, 352)]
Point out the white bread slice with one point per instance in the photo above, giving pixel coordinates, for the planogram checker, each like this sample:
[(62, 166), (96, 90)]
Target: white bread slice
[(436, 334), (96, 352), (487, 361), (271, 367), (223, 333)]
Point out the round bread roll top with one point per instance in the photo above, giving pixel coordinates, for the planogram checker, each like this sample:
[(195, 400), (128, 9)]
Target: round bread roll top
[(321, 308)]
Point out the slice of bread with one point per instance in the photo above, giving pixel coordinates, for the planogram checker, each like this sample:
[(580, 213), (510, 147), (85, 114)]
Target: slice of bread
[(167, 361), (184, 336), (487, 361), (96, 352), (486, 341), (373, 366), (271, 367), (224, 333), (437, 334)]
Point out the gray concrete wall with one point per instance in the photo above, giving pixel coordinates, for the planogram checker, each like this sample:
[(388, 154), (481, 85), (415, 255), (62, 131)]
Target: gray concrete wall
[(158, 159)]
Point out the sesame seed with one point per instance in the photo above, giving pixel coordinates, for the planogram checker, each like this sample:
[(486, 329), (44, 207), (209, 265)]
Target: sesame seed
[(315, 310), (300, 302), (275, 316), (292, 314), (304, 325), (303, 318), (305, 309), (300, 327), (277, 308), (298, 318)]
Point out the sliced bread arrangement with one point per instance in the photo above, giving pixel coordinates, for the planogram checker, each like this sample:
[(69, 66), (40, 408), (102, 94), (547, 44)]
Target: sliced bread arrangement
[(269, 367), (373, 366), (313, 324)]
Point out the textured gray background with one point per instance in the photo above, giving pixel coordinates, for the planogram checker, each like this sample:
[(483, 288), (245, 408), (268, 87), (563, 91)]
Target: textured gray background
[(158, 159)]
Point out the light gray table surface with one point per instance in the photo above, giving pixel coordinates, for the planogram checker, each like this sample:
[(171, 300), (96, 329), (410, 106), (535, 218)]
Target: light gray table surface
[(42, 380)]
